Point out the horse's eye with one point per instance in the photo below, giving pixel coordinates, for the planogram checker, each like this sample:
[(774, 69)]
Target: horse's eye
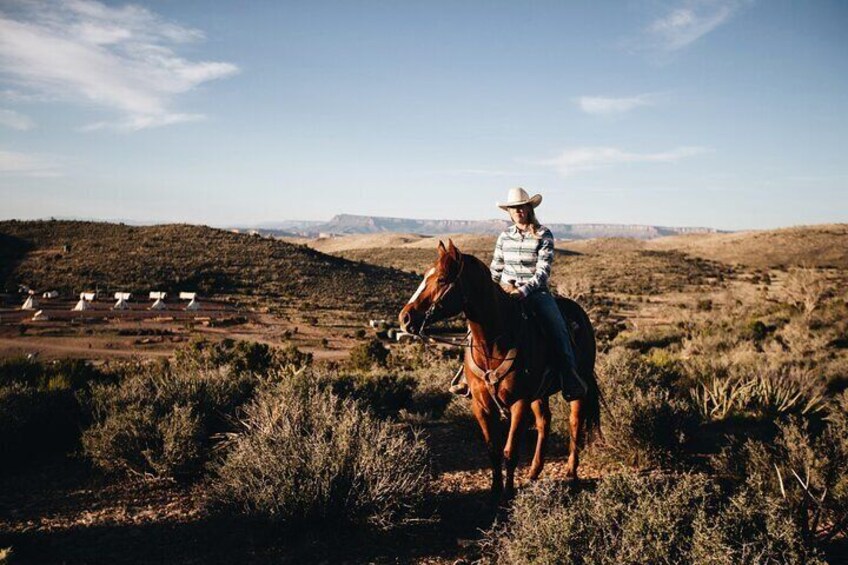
[(441, 280)]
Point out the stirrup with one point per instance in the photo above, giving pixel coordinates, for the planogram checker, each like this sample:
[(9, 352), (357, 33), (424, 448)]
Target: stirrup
[(458, 384), (460, 389)]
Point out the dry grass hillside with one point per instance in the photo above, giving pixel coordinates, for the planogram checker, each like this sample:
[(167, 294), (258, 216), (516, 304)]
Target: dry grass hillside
[(74, 256), (816, 246), (627, 265), (618, 265)]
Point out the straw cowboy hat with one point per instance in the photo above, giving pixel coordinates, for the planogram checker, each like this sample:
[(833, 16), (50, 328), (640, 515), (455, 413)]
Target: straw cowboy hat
[(519, 197)]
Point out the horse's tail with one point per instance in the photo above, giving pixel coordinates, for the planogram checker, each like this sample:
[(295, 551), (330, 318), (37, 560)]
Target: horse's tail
[(586, 351), (592, 410)]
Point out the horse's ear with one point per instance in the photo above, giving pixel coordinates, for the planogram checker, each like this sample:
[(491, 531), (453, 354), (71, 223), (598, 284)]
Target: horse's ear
[(441, 249), (452, 249)]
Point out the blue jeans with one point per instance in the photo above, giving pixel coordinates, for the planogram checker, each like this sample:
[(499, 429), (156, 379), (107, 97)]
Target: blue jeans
[(546, 308)]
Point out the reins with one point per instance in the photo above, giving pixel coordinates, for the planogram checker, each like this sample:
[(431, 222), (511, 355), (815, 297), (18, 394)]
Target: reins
[(492, 377)]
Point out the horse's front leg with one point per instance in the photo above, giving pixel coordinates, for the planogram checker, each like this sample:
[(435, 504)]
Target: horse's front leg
[(490, 428), (513, 440), (542, 413), (575, 428)]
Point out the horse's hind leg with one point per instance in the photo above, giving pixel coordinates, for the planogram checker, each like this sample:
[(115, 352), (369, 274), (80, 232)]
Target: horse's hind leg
[(513, 440), (492, 436), (575, 428), (542, 414)]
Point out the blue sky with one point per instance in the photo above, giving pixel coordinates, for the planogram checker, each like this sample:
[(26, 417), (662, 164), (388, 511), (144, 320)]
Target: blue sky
[(731, 114)]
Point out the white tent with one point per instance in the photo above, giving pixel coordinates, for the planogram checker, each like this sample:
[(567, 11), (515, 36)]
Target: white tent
[(88, 296), (192, 298), (51, 294), (159, 300), (40, 315), (83, 304), (30, 304), (122, 301)]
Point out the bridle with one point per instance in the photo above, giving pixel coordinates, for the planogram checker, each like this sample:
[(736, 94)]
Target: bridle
[(436, 306)]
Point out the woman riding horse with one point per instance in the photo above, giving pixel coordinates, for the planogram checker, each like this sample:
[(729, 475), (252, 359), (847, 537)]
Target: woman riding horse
[(522, 265), (511, 369)]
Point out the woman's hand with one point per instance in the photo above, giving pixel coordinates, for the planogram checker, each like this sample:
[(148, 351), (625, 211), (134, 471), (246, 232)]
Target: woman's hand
[(511, 289)]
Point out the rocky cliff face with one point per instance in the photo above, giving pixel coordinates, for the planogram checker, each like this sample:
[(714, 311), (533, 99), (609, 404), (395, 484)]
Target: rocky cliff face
[(345, 224)]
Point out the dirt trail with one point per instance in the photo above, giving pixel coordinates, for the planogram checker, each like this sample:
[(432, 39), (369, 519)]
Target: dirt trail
[(10, 346)]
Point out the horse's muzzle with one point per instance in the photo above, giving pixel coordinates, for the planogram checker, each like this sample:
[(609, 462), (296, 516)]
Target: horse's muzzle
[(408, 322)]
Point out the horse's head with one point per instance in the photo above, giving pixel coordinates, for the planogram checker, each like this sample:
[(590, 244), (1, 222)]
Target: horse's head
[(440, 294)]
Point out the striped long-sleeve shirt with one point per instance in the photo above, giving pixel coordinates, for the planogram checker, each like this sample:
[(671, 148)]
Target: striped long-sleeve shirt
[(523, 260)]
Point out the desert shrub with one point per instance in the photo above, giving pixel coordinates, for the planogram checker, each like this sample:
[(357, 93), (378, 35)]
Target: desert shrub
[(43, 408), (36, 425), (750, 528), (628, 519), (803, 469), (646, 340), (291, 356), (649, 419), (302, 453), (70, 374), (365, 355), (756, 330), (805, 288), (384, 394), (634, 519), (160, 420), (240, 356)]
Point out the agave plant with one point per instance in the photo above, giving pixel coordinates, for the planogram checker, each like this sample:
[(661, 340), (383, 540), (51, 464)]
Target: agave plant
[(781, 394), (718, 398)]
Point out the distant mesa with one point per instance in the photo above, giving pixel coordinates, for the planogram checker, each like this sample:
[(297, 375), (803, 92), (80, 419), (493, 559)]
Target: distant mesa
[(350, 224)]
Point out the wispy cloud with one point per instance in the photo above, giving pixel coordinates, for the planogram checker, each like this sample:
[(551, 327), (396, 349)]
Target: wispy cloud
[(26, 164), (117, 57), (15, 120), (691, 20), (582, 159), (609, 106)]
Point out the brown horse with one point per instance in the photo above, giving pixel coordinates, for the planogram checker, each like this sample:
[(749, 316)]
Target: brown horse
[(508, 360)]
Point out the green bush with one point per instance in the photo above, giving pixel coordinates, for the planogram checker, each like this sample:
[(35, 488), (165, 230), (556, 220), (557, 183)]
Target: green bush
[(239, 356), (649, 419), (304, 454), (365, 355)]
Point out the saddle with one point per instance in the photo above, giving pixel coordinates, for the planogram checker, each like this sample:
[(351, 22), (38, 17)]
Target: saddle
[(531, 328)]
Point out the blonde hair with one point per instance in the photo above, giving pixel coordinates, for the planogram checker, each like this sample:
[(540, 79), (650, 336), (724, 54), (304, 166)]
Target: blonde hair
[(535, 225)]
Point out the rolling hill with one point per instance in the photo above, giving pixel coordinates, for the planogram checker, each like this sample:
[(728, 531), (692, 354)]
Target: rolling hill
[(72, 256)]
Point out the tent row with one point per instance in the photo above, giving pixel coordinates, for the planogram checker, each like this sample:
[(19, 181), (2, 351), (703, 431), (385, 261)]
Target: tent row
[(122, 298)]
